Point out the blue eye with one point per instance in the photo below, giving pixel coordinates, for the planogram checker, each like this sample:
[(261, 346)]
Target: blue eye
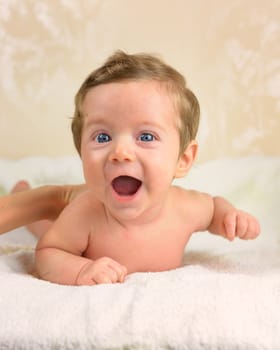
[(146, 137), (102, 138)]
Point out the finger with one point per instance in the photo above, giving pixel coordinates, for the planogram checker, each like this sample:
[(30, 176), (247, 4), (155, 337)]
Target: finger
[(90, 282), (123, 274), (257, 227), (109, 275), (253, 229), (85, 280), (112, 274), (119, 269), (230, 225), (102, 278), (241, 225)]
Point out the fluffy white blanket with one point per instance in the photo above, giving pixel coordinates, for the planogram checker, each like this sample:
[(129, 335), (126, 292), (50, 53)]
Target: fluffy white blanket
[(226, 296)]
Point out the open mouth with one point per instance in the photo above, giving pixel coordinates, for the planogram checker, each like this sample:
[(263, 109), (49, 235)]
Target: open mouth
[(126, 185)]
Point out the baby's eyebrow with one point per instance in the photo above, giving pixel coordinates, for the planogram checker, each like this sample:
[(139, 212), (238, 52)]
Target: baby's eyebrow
[(147, 125), (98, 121), (89, 121)]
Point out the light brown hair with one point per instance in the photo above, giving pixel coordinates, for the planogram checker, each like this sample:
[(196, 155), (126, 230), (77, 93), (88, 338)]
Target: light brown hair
[(122, 66)]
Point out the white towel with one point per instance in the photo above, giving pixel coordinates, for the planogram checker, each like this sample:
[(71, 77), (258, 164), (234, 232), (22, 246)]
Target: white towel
[(216, 301)]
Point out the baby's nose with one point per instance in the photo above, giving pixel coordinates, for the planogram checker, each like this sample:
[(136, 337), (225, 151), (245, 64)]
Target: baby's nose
[(122, 152)]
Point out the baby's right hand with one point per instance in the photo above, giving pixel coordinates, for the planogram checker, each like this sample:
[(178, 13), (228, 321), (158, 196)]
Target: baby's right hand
[(103, 270)]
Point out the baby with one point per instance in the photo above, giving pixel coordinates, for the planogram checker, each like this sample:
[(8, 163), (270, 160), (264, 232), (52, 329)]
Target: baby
[(134, 127)]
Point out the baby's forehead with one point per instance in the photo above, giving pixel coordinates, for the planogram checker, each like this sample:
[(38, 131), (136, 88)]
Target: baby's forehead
[(127, 100), (145, 90)]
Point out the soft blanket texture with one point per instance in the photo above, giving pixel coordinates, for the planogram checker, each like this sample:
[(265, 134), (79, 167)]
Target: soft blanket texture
[(225, 296)]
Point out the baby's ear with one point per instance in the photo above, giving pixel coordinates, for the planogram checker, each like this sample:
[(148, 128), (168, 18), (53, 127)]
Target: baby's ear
[(186, 159)]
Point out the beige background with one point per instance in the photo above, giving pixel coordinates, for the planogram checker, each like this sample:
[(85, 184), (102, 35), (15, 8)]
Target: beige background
[(229, 52)]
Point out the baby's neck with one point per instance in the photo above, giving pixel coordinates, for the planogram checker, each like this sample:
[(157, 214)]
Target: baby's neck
[(151, 216)]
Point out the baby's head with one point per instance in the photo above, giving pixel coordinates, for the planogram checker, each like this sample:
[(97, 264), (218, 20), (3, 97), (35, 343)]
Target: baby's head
[(124, 67)]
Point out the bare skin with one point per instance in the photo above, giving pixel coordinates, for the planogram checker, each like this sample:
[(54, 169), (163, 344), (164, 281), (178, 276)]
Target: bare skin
[(131, 218), (105, 251), (37, 228), (25, 206)]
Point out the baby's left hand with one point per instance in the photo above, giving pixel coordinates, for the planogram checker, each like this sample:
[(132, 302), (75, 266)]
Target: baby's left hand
[(237, 223)]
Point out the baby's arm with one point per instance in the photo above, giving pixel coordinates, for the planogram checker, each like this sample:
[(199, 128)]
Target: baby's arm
[(217, 215), (45, 202), (65, 267), (59, 253), (230, 222)]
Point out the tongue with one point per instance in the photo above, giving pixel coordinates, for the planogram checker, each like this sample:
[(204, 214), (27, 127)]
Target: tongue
[(126, 185)]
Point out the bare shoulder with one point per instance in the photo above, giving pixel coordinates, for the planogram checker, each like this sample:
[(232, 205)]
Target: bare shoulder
[(82, 205), (193, 196), (194, 205), (71, 229)]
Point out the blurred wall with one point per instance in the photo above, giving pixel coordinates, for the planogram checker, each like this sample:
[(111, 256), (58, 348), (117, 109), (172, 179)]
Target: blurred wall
[(229, 52)]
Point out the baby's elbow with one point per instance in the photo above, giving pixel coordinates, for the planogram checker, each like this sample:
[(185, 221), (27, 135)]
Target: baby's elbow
[(40, 264)]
